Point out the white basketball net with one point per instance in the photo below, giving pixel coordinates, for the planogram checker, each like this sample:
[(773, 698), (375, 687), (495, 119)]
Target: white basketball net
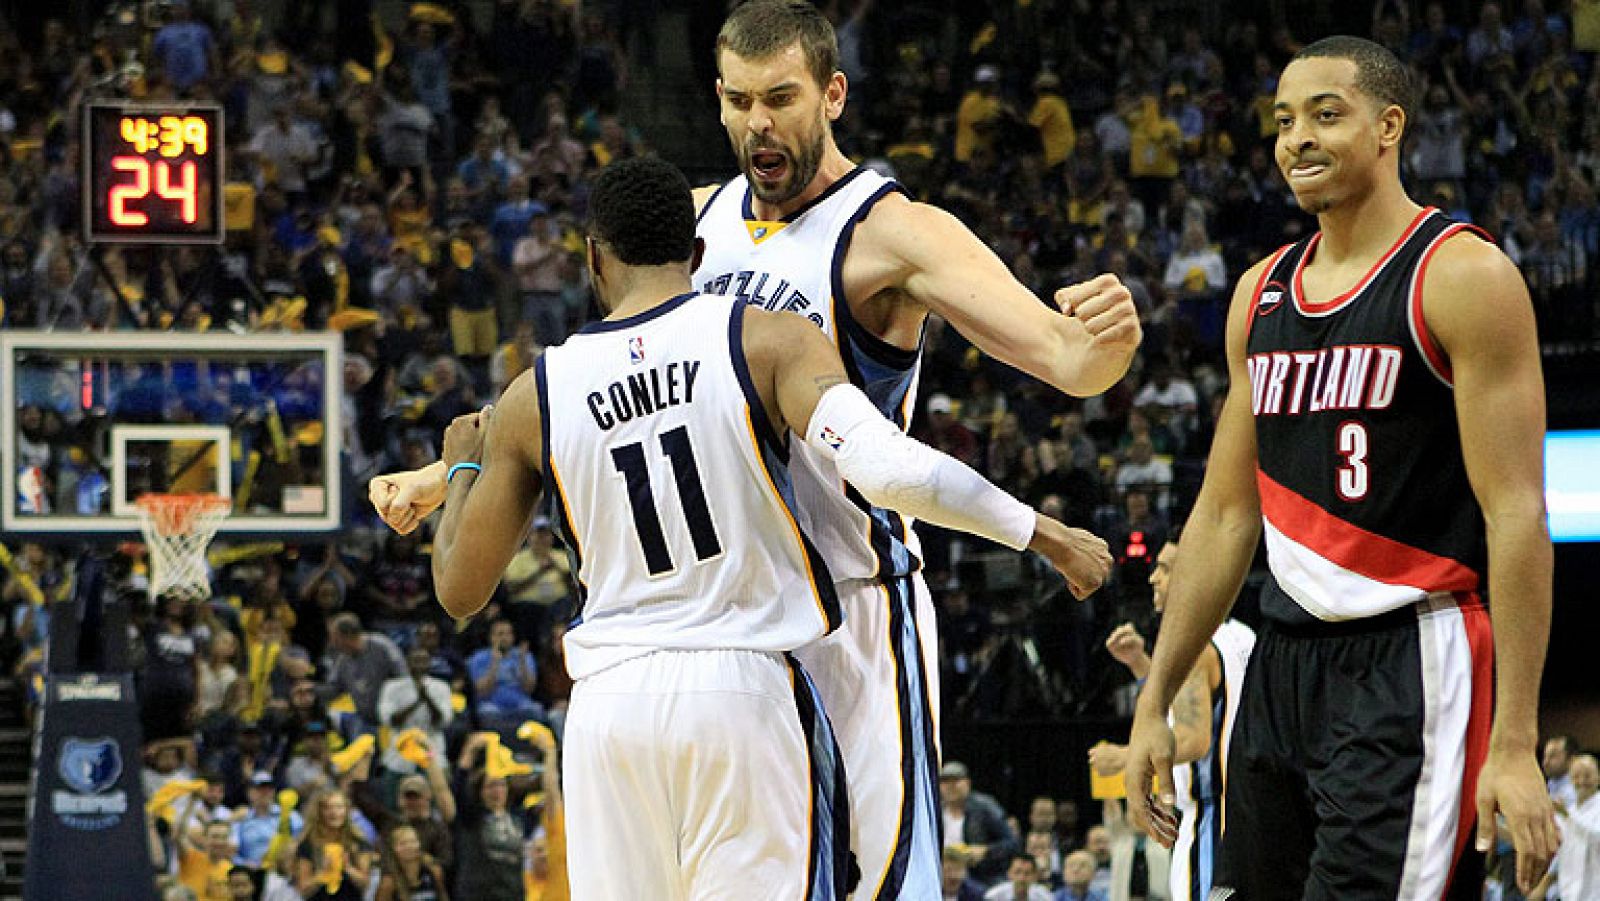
[(177, 529)]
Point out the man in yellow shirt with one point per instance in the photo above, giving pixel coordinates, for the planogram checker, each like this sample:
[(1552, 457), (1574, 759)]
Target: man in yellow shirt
[(205, 870), (1155, 141), (546, 876), (1053, 119), (979, 114)]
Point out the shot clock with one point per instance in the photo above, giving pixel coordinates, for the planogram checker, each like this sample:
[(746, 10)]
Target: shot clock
[(153, 174)]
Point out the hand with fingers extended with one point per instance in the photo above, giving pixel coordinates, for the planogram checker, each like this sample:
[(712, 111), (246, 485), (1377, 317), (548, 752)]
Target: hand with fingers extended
[(1149, 769), (1105, 307), (1512, 784), (1080, 556)]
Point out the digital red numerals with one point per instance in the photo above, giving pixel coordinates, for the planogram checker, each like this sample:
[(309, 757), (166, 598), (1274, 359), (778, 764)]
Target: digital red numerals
[(120, 195), (182, 191)]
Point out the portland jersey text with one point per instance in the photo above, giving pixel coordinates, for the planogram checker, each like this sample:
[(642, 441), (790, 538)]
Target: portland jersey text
[(1364, 491)]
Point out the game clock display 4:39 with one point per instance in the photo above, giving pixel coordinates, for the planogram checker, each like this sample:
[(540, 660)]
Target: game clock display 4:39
[(153, 175)]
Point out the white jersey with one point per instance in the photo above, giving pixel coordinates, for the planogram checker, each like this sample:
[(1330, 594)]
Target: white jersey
[(796, 265), (671, 489), (1198, 785)]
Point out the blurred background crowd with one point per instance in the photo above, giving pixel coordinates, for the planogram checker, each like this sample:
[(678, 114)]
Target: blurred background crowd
[(414, 176)]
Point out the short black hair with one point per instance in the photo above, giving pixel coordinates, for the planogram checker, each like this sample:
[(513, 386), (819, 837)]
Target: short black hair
[(760, 28), (1379, 73), (643, 211), (1567, 744)]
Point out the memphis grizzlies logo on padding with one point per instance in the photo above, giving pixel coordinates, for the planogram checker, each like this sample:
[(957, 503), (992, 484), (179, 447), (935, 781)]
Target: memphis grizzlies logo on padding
[(90, 769), (90, 766)]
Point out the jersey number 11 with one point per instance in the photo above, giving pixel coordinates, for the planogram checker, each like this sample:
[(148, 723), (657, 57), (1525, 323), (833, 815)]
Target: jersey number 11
[(630, 462)]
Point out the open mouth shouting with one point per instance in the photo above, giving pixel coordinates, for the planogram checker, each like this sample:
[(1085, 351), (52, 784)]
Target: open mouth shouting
[(770, 166)]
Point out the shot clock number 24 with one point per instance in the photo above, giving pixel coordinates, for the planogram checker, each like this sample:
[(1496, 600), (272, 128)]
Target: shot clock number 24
[(153, 174)]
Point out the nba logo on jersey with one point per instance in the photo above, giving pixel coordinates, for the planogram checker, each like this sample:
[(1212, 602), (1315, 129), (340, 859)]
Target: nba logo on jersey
[(831, 438), (636, 349), (1271, 296)]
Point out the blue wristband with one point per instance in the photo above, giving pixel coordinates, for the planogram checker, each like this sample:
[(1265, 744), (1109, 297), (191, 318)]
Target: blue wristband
[(451, 474)]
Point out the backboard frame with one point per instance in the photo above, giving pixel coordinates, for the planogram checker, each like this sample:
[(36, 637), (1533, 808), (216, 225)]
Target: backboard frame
[(329, 345), (121, 435)]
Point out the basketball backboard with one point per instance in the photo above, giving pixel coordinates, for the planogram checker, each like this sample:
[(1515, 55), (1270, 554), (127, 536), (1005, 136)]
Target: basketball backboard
[(91, 421)]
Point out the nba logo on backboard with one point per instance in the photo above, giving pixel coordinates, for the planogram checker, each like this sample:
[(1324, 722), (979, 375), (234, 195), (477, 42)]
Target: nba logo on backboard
[(636, 350)]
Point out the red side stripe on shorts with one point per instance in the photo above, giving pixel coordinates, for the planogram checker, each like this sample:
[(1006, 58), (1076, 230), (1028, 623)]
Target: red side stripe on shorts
[(1356, 549), (1480, 639)]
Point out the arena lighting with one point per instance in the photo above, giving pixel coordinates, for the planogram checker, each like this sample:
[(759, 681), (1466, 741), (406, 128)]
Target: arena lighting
[(1572, 485)]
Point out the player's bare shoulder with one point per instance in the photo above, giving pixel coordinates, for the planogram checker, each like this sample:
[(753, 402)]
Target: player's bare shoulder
[(901, 226), (898, 238), (703, 195), (1467, 268), (769, 336)]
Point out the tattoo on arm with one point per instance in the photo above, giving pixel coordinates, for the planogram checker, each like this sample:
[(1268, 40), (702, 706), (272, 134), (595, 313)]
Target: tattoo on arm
[(1188, 708), (824, 382)]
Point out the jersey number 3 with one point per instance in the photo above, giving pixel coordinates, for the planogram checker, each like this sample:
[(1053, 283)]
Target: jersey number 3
[(630, 462), (1353, 474)]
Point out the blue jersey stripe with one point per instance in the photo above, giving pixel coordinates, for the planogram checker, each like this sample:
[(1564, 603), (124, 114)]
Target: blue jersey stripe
[(831, 872), (919, 834), (556, 507)]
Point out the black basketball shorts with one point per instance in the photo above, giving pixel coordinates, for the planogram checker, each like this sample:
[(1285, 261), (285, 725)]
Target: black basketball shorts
[(1355, 755)]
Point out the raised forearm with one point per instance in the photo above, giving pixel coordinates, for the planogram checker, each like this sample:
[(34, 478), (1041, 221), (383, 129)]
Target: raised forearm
[(450, 526), (1520, 563)]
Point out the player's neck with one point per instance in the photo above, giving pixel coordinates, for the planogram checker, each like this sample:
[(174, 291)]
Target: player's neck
[(835, 165), (1365, 228), (647, 290)]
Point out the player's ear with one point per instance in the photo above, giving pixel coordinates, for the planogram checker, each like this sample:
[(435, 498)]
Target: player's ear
[(591, 258), (1391, 126), (699, 253), (833, 94)]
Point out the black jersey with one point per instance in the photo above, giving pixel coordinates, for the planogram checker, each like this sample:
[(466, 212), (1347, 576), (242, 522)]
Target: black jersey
[(1364, 494)]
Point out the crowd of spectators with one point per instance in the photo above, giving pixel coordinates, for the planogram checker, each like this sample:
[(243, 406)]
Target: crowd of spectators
[(419, 185)]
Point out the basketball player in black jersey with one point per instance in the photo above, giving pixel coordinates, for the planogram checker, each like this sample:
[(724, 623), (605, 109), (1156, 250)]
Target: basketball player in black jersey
[(1383, 430)]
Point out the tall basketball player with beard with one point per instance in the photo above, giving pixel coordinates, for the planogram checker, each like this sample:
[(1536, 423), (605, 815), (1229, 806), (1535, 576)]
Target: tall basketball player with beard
[(805, 230)]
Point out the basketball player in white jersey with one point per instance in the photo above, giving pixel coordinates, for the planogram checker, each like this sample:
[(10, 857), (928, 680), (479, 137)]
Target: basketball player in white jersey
[(699, 761), (805, 230), (1202, 718)]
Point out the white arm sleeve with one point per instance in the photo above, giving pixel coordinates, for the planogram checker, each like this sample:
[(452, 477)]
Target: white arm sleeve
[(893, 470)]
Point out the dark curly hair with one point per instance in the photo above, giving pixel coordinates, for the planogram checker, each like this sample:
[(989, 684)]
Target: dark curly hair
[(642, 210)]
